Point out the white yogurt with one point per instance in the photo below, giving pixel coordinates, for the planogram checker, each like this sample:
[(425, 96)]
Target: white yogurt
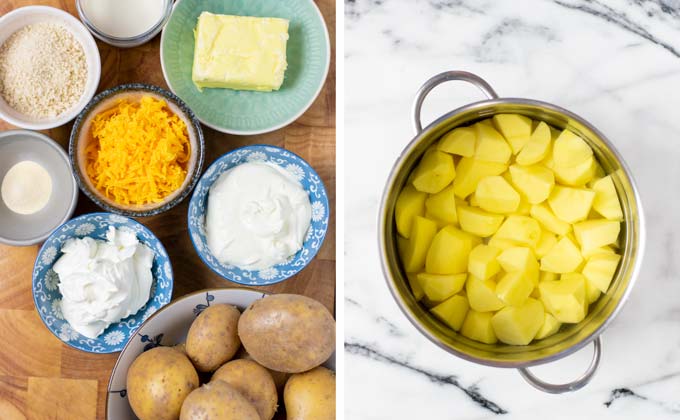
[(123, 18), (26, 188), (103, 282), (258, 215)]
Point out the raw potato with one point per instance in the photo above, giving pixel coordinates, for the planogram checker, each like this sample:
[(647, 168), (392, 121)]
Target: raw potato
[(279, 378), (253, 382), (311, 395), (158, 381), (217, 400), (434, 172), (287, 333), (410, 203), (213, 339), (524, 238)]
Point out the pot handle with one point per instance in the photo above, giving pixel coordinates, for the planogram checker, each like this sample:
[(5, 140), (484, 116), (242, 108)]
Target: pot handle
[(445, 77), (570, 386)]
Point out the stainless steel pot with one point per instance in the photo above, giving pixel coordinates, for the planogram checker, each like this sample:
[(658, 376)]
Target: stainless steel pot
[(571, 337)]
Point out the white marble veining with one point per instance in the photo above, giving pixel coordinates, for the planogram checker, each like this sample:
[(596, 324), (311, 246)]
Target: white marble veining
[(614, 62)]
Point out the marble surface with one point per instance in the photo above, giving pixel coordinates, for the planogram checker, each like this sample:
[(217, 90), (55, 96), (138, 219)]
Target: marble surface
[(615, 63)]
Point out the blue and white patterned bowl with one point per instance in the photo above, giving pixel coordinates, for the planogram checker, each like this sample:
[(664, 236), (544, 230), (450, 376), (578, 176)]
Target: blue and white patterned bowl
[(45, 282), (309, 180)]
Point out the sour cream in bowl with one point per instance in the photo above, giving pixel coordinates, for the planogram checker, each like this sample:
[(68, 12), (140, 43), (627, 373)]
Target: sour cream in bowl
[(97, 278), (258, 215)]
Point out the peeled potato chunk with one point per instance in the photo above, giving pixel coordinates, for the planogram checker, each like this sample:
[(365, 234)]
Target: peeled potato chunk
[(514, 288), (416, 288), (570, 150), (593, 234), (470, 171), (482, 262), (434, 172), (564, 257), (592, 292), (494, 194), (442, 205), (519, 230), (491, 146), (522, 260), (452, 311), (545, 243), (477, 326), (518, 325), (439, 287), (600, 269), (538, 146), (571, 204), (576, 176), (606, 200), (550, 326), (415, 250), (460, 141), (410, 203), (548, 220), (449, 251), (482, 294), (565, 299), (515, 128), (478, 222), (535, 182)]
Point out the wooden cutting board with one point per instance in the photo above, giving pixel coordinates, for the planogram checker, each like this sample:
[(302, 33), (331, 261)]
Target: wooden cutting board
[(41, 378)]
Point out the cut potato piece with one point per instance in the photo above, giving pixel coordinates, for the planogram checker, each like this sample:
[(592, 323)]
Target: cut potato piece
[(478, 222), (491, 146), (565, 299), (515, 128), (518, 325), (514, 288), (547, 276), (482, 262), (564, 257), (548, 220), (600, 270), (522, 260), (439, 287), (576, 176), (538, 146), (606, 200), (415, 251), (470, 171), (592, 292), (452, 311), (477, 326), (460, 141), (570, 150), (593, 234), (494, 194), (545, 243), (571, 204), (550, 326), (416, 288), (482, 294), (434, 172), (450, 251), (518, 230), (535, 182), (410, 203), (442, 205)]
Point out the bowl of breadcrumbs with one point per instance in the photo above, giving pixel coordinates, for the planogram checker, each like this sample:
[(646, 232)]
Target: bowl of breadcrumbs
[(49, 67)]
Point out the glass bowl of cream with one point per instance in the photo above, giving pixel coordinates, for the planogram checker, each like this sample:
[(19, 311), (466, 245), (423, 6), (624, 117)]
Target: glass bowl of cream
[(97, 278), (258, 215), (124, 23)]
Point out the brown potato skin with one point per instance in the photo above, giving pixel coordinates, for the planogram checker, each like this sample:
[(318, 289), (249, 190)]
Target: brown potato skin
[(287, 333), (217, 401), (280, 378), (158, 381), (213, 339), (253, 382), (311, 395)]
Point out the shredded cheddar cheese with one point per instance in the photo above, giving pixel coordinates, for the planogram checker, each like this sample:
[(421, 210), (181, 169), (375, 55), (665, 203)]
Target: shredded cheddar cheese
[(139, 152)]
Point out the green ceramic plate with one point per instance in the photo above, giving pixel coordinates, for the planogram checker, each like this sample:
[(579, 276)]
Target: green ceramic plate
[(247, 112)]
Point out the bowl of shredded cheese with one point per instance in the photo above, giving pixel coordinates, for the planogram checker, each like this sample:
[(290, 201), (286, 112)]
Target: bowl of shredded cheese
[(136, 150)]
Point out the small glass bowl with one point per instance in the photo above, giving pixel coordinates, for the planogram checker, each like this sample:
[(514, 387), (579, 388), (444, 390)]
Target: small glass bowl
[(131, 41)]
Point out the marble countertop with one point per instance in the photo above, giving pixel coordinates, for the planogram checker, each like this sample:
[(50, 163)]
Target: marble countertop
[(614, 62)]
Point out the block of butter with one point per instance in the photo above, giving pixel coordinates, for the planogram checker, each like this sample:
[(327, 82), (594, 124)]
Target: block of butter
[(239, 52)]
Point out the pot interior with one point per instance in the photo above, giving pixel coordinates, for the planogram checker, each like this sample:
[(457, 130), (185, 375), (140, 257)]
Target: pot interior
[(571, 337)]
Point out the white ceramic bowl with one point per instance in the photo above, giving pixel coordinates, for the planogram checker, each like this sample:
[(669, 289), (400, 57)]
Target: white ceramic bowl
[(167, 327), (17, 19)]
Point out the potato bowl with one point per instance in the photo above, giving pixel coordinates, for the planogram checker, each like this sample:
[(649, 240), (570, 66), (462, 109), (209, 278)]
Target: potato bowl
[(169, 327), (571, 337)]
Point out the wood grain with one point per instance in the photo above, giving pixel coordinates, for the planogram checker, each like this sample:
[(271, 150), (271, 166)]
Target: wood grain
[(42, 378)]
